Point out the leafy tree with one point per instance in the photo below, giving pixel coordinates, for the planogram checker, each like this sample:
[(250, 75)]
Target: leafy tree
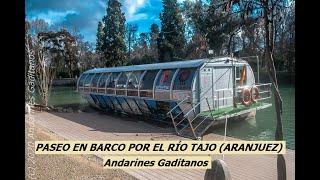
[(220, 26), (194, 14), (100, 37), (284, 51), (154, 35), (142, 47), (114, 31), (269, 11), (143, 42), (131, 37), (171, 40)]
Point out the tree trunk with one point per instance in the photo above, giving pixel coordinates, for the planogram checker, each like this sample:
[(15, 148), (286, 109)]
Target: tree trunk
[(281, 166), (229, 44)]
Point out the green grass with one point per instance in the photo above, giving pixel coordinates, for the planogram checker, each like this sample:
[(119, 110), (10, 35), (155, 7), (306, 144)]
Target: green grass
[(231, 110)]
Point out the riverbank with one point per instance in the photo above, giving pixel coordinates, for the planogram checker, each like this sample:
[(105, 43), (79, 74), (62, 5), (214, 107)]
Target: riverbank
[(64, 82)]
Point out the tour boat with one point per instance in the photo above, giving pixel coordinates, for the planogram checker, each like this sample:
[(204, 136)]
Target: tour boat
[(191, 94)]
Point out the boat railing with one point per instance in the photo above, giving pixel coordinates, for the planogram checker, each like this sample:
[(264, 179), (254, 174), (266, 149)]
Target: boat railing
[(264, 91), (220, 100), (186, 115), (224, 97), (176, 106)]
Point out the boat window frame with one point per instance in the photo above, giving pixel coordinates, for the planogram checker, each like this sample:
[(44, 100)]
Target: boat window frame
[(139, 80), (173, 80), (89, 87), (174, 71), (126, 79), (240, 67), (191, 84), (153, 83), (78, 83), (115, 83), (195, 80), (107, 80), (125, 88), (98, 84), (92, 87)]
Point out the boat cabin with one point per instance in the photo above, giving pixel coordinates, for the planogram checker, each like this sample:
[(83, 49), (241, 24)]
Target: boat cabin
[(165, 90)]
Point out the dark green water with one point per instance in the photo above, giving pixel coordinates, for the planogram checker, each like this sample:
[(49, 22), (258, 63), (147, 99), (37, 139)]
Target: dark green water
[(260, 128), (65, 95), (264, 125)]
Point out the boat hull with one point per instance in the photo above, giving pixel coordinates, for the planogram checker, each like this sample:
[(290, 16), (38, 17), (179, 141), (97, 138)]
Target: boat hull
[(146, 108)]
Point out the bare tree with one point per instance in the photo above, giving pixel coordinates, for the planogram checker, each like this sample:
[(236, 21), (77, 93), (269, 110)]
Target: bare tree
[(48, 50), (270, 9)]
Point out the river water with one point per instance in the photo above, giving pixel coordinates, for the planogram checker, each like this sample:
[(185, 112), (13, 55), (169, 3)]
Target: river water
[(264, 125), (261, 128)]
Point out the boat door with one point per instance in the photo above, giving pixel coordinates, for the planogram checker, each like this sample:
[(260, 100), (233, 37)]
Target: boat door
[(223, 87), (206, 90)]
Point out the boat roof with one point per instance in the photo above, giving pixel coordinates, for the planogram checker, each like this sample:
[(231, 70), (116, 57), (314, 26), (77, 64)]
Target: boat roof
[(164, 65)]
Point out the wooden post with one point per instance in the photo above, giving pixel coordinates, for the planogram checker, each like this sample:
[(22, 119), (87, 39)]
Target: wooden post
[(219, 171), (234, 85)]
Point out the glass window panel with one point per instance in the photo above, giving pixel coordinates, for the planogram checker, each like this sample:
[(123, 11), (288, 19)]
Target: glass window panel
[(102, 81), (133, 81), (122, 81), (112, 80), (164, 81), (238, 72), (88, 80), (95, 79), (184, 79), (148, 79), (241, 75), (81, 81)]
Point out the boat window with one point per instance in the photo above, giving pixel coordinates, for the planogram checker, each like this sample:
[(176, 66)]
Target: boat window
[(148, 79), (122, 81), (102, 80), (88, 80), (238, 72), (164, 81), (95, 79), (112, 80), (241, 75), (183, 81), (133, 83), (81, 81)]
